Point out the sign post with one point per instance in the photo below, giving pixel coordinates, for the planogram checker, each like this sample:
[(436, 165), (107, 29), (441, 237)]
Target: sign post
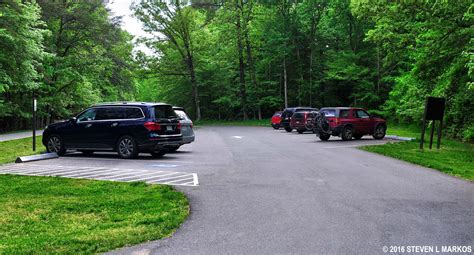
[(434, 110), (34, 121)]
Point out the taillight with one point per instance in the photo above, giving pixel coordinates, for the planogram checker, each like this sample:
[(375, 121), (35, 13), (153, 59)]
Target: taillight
[(179, 125), (152, 126), (191, 125), (337, 121)]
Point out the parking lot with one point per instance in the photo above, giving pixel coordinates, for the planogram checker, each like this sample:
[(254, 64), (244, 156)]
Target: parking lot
[(267, 191)]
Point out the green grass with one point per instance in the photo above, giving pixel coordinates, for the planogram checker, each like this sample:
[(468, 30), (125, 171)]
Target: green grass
[(264, 122), (404, 130), (9, 150), (454, 158), (46, 215)]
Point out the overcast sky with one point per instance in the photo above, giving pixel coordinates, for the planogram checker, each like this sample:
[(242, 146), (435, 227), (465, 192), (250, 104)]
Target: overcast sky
[(129, 23)]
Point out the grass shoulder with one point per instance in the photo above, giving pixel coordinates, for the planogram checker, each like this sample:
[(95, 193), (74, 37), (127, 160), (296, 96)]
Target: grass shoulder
[(10, 150), (70, 216), (454, 158)]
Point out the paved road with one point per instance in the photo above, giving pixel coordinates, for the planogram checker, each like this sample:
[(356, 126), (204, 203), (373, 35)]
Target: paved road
[(263, 191), (18, 135)]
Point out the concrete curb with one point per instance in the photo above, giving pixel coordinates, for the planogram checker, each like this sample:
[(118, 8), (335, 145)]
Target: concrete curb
[(36, 157), (400, 138)]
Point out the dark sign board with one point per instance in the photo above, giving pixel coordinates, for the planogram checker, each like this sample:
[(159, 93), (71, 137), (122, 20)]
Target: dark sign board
[(434, 108)]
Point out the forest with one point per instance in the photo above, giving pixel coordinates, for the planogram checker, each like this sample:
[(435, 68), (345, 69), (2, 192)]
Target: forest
[(240, 59)]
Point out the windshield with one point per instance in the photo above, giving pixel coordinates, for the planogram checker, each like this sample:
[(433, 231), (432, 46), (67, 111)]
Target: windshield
[(164, 112)]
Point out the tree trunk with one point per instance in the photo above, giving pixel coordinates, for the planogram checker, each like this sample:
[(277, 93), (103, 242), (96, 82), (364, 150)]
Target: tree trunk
[(284, 82), (243, 92)]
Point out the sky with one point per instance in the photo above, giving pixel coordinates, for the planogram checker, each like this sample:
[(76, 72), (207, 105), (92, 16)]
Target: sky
[(129, 23)]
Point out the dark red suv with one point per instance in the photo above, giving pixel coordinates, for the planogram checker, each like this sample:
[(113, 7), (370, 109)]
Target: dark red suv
[(348, 123), (302, 121)]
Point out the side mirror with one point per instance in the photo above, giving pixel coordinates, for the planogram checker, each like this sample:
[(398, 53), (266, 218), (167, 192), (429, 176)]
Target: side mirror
[(73, 120)]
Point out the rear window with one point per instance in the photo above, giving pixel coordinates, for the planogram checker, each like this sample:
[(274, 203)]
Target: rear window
[(329, 112), (164, 112), (298, 115), (182, 114), (277, 114)]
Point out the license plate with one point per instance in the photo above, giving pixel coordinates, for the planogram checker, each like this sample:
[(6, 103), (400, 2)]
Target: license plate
[(169, 128)]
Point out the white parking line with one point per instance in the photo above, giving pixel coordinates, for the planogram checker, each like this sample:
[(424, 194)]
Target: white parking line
[(169, 178), (147, 174), (195, 179), (41, 171), (180, 180), (102, 173)]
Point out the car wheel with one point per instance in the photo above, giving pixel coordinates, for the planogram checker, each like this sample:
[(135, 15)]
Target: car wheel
[(357, 137), (55, 144), (300, 131), (347, 133), (159, 154), (173, 148), (379, 132), (87, 153), (275, 127), (324, 137), (288, 129), (127, 147)]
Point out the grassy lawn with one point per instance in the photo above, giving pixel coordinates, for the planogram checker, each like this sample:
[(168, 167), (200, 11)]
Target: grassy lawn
[(264, 123), (9, 150), (405, 130), (454, 158), (46, 215)]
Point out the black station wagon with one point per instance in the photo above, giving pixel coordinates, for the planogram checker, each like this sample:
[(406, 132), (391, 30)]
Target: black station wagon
[(127, 128)]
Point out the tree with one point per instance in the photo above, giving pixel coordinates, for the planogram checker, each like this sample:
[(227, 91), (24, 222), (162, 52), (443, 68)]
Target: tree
[(21, 37), (172, 24)]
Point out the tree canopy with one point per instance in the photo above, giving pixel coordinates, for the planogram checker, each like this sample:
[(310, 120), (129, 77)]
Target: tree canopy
[(239, 59)]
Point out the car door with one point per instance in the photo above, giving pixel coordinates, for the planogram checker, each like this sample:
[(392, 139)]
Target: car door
[(364, 122), (79, 135), (107, 129)]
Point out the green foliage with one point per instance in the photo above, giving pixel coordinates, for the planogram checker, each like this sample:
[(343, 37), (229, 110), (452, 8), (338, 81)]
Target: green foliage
[(427, 48), (70, 54), (236, 59)]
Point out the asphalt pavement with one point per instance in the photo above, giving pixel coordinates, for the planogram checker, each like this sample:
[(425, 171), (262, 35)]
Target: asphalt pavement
[(265, 191)]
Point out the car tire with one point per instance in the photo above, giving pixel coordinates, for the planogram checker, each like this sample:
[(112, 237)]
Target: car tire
[(300, 131), (379, 132), (127, 147), (275, 127), (55, 144), (87, 153), (347, 133), (287, 129), (158, 154), (357, 137), (173, 148), (324, 137)]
